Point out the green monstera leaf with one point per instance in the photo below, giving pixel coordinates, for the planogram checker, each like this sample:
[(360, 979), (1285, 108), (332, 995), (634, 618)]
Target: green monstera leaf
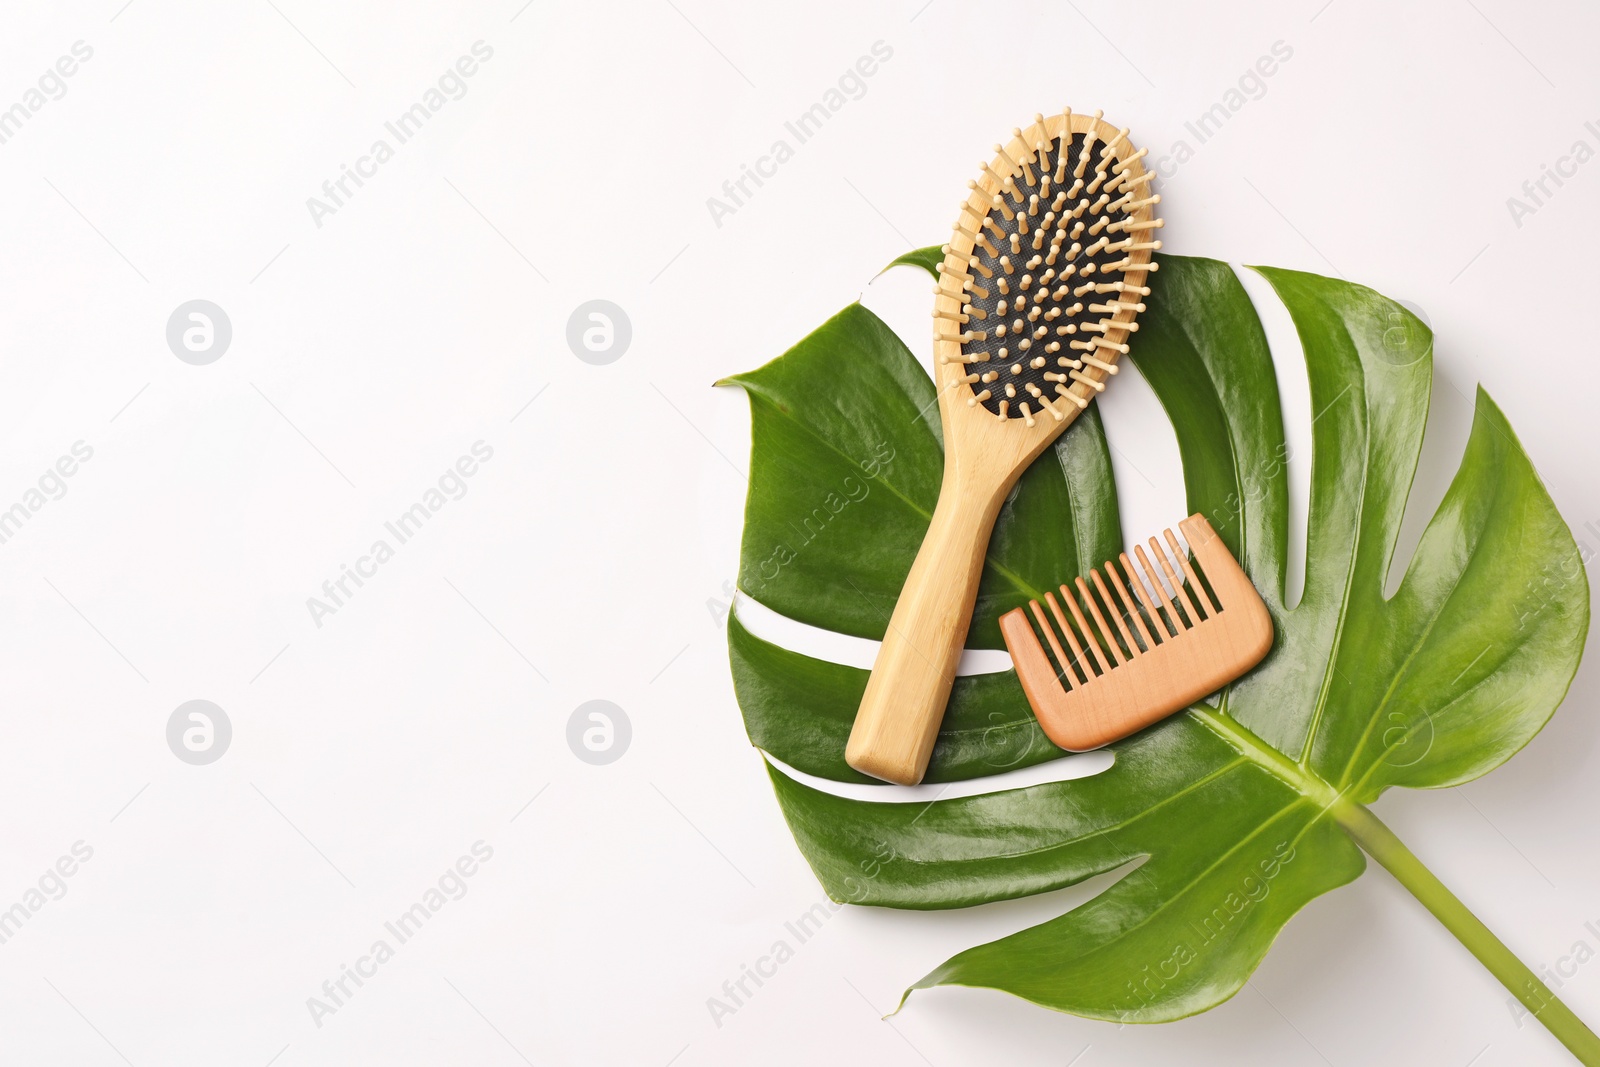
[(1239, 812)]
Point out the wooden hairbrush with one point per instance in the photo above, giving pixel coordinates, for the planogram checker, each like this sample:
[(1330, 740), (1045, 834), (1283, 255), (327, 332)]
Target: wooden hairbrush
[(1159, 657), (1037, 295)]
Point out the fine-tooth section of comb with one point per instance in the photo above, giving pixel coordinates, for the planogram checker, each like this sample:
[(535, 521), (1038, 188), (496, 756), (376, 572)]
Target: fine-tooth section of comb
[(1149, 637)]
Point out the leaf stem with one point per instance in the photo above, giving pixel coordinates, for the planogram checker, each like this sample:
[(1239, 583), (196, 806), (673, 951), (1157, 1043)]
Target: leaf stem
[(1379, 841)]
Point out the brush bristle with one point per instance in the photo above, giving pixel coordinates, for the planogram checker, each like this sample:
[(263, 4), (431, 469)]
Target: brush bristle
[(1055, 225)]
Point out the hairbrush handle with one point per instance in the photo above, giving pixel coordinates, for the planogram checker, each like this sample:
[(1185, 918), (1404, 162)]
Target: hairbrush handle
[(1025, 335), (910, 684)]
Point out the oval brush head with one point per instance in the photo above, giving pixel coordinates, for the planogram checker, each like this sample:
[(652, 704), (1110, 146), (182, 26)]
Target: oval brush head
[(1050, 254)]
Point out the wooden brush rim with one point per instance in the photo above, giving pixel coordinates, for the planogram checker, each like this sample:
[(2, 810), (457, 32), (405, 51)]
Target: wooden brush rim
[(961, 422)]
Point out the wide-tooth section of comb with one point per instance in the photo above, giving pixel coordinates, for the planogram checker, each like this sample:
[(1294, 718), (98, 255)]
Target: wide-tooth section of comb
[(1150, 635)]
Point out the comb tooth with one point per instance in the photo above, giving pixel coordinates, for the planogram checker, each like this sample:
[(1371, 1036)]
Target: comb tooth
[(1096, 653), (1085, 670), (1177, 583), (1100, 620), (1194, 581), (1174, 624), (1055, 646), (1144, 597), (1117, 608), (1093, 662)]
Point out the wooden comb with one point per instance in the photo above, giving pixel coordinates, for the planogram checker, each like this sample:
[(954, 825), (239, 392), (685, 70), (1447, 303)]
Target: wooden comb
[(1037, 294), (1162, 653)]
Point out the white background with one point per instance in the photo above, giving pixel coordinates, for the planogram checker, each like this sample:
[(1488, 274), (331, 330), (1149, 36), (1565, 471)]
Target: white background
[(590, 555)]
